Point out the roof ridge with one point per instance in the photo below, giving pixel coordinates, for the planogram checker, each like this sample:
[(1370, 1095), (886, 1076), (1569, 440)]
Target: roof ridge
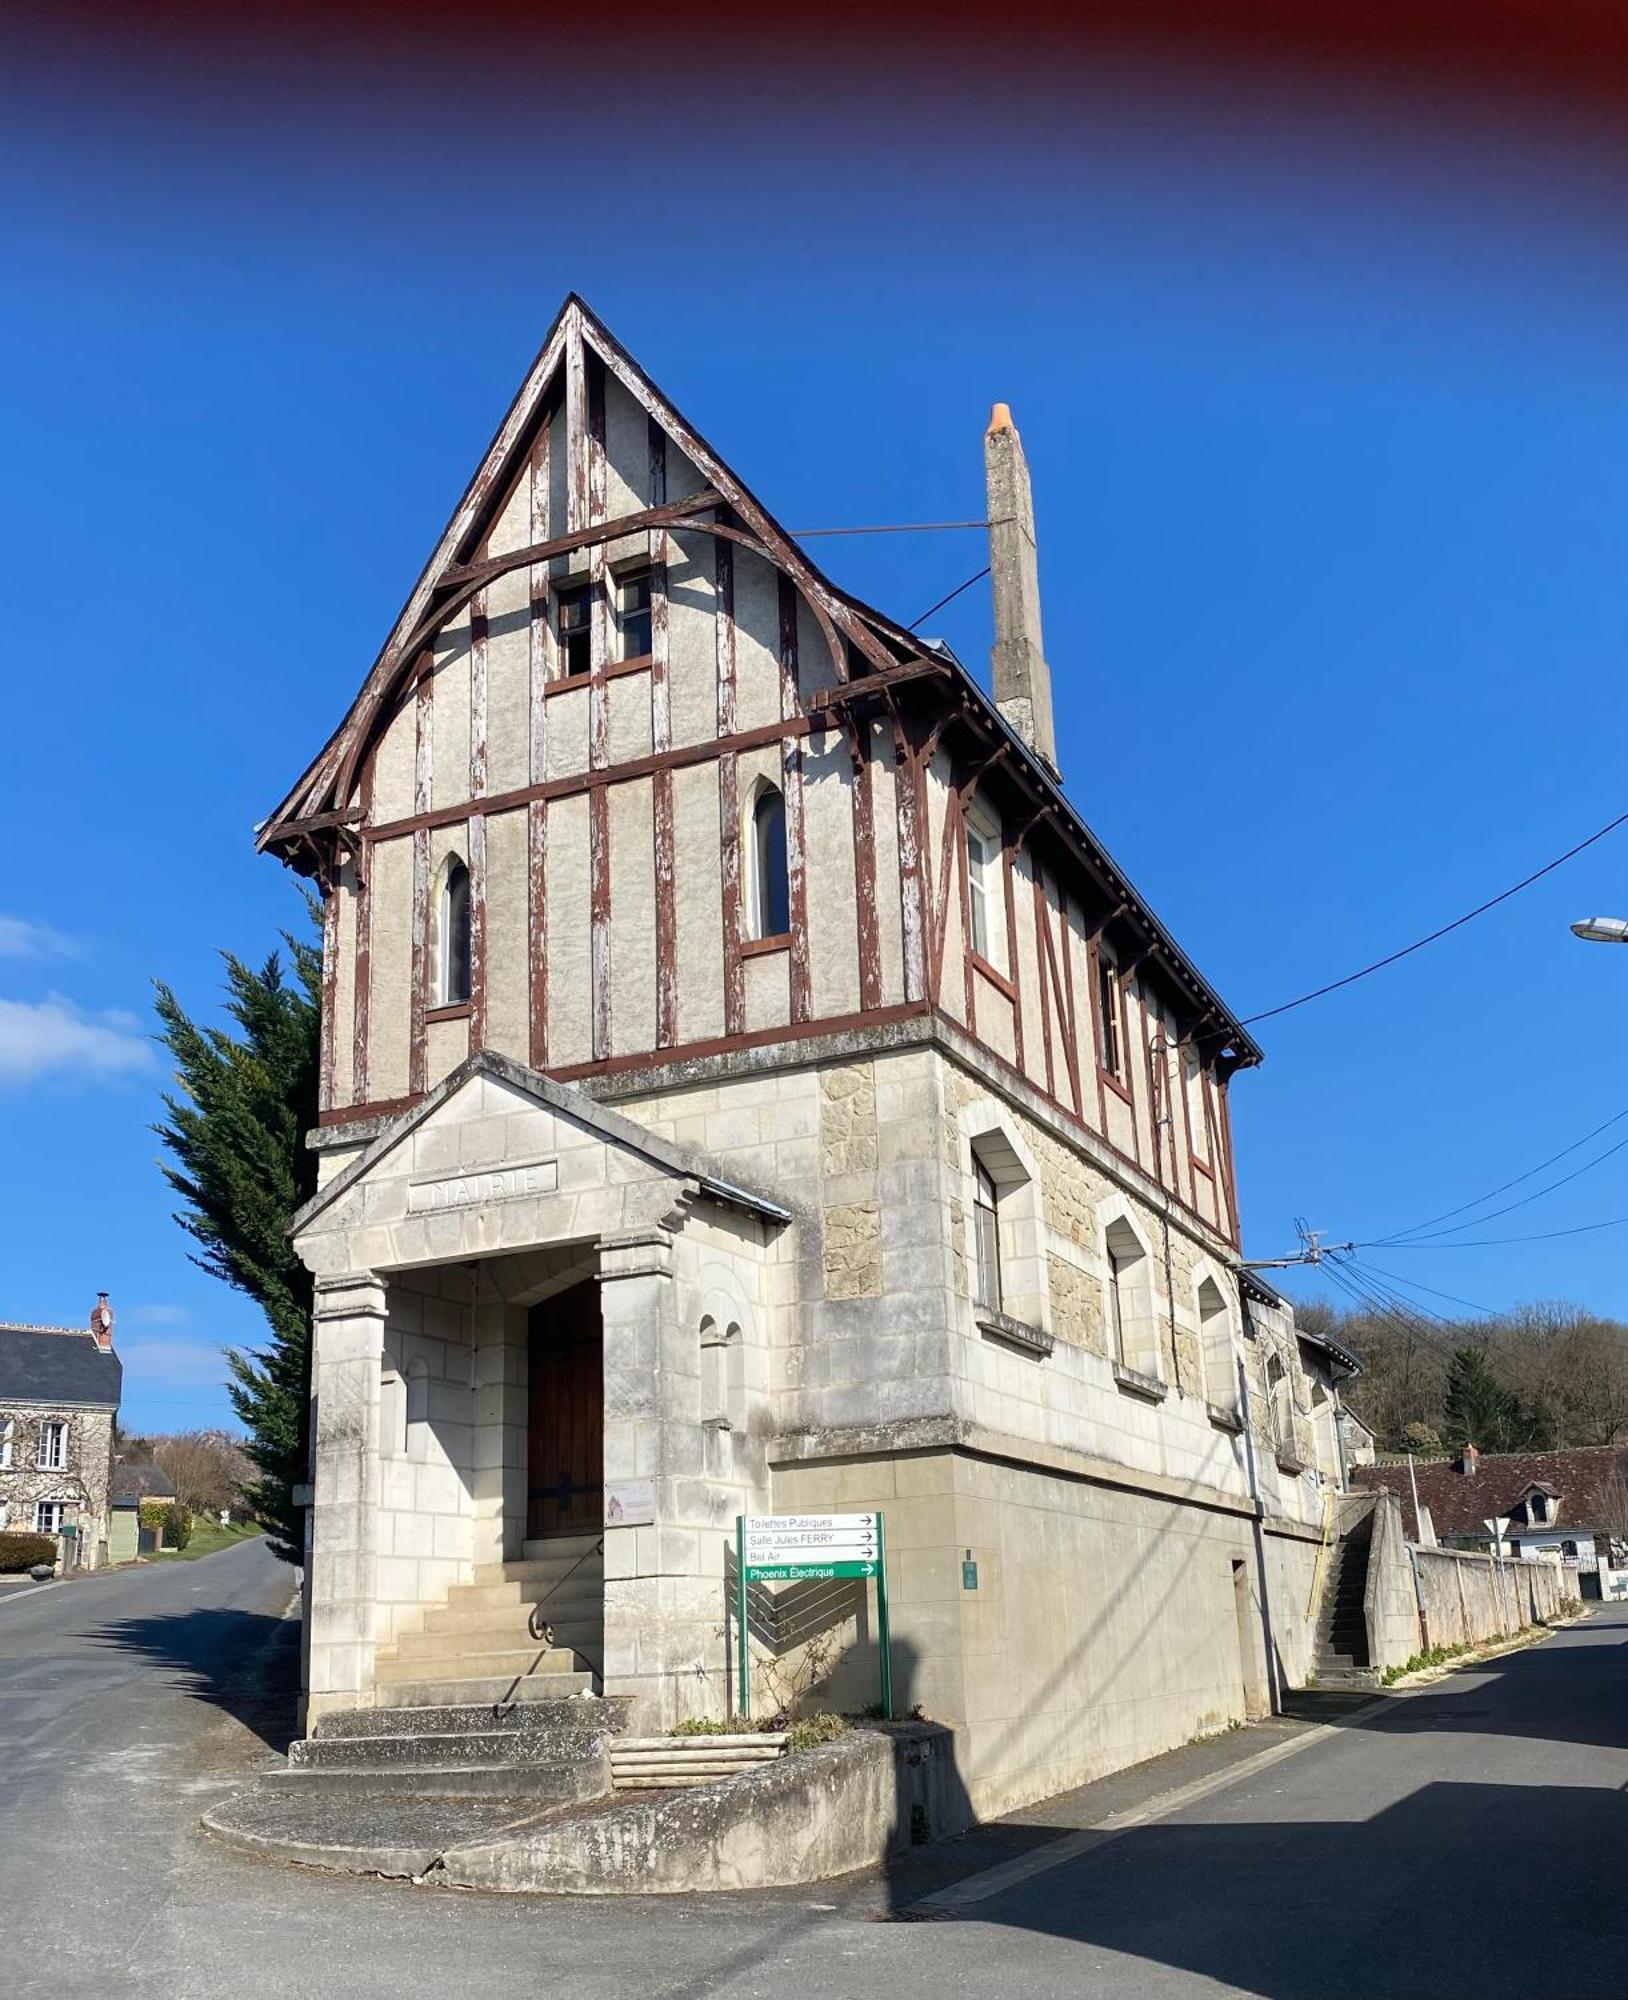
[(34, 1326)]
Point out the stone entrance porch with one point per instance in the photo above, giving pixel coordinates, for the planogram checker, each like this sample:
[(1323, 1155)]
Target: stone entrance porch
[(507, 1224)]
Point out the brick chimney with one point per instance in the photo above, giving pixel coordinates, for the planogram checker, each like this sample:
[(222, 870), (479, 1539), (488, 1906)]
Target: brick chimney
[(1022, 678), (101, 1322), (1468, 1458)]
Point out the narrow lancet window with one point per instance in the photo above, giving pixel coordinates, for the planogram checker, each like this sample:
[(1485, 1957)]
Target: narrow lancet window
[(772, 914), (455, 949)]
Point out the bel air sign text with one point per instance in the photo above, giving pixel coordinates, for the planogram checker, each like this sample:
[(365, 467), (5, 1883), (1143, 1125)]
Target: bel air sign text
[(476, 1190)]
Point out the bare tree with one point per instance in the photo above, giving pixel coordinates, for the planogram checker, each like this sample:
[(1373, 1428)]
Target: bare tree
[(205, 1467)]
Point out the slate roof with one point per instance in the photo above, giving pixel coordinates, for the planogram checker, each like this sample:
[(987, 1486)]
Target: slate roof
[(1462, 1505), (140, 1482), (44, 1364)]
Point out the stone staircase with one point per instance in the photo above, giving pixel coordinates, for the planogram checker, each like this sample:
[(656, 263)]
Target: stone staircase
[(521, 1632), (543, 1752), (1340, 1655)]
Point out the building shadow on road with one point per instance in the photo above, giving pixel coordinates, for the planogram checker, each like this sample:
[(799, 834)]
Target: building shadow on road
[(1416, 1900), (246, 1663)]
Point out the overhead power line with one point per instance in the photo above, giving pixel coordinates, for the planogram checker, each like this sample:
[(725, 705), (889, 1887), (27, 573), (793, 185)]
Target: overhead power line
[(1413, 1285), (891, 528), (1486, 1242), (1417, 1241), (1492, 1194), (978, 577), (1458, 923)]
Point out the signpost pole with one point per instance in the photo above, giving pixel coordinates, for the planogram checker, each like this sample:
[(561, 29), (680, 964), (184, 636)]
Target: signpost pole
[(881, 1623), (742, 1638)]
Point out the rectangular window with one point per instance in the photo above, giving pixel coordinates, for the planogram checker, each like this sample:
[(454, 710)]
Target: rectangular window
[(53, 1447), (8, 1433), (1116, 1306), (47, 1516), (633, 616), (5, 1515), (986, 904), (573, 627), (986, 1237), (1108, 999)]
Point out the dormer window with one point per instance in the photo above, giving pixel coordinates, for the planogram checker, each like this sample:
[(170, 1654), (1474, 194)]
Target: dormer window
[(455, 936), (573, 628), (633, 616), (1537, 1508)]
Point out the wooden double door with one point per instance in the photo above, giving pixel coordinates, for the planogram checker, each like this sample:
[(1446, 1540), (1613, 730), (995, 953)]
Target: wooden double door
[(566, 1429)]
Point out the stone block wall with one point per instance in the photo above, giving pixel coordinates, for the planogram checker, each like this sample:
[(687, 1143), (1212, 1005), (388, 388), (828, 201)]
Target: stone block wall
[(1470, 1599)]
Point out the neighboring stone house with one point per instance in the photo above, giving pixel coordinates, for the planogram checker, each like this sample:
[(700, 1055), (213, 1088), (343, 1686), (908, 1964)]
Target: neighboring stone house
[(134, 1486), (1569, 1506), (59, 1396), (749, 1085)]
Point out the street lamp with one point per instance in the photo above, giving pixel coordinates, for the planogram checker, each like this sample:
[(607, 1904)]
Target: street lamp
[(1602, 930)]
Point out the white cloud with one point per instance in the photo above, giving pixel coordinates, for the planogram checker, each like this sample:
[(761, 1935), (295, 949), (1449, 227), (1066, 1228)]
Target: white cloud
[(152, 1362), (21, 939), (156, 1315), (54, 1037)]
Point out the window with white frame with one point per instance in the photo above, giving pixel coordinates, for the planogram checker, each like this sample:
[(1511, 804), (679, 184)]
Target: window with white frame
[(53, 1450), (456, 936), (986, 900), (5, 1515), (986, 1237), (8, 1442), (1215, 1335), (1110, 1017), (770, 898), (48, 1516), (633, 615)]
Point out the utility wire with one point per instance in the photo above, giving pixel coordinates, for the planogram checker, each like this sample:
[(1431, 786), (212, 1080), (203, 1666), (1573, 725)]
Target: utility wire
[(1413, 1285), (1492, 1193), (1458, 923), (1417, 1241), (1486, 1242), (893, 528), (954, 594)]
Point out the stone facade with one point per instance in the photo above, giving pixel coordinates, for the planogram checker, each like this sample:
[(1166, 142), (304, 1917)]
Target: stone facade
[(59, 1395), (921, 1202)]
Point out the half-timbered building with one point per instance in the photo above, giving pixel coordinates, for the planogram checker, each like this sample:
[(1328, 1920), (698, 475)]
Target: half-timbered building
[(749, 1085)]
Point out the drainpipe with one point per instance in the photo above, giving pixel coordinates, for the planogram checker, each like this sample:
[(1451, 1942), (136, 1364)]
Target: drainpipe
[(1274, 1685)]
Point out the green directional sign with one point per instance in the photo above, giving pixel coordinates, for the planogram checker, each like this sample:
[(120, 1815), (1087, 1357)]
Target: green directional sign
[(806, 1572), (809, 1548)]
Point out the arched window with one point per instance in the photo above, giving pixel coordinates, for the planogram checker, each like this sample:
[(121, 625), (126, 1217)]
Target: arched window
[(721, 1374), (455, 952), (1133, 1326), (771, 898)]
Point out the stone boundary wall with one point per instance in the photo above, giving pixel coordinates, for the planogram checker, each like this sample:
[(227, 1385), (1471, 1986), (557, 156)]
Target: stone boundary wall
[(1467, 1599), (808, 1816)]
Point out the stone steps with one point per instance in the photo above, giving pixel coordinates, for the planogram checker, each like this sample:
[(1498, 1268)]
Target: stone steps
[(537, 1784), (459, 1659), (663, 1763), (487, 1690), (564, 1722)]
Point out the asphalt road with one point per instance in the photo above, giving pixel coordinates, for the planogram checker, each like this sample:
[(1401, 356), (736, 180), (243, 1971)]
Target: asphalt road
[(1469, 1839)]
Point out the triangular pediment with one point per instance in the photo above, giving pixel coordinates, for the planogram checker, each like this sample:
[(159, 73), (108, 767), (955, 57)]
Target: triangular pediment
[(422, 1144), (707, 496)]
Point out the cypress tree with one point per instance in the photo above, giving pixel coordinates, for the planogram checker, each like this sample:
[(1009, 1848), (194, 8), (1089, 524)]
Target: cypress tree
[(1481, 1411), (236, 1133)]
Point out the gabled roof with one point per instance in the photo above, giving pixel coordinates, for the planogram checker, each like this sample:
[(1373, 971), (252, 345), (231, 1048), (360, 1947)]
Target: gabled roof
[(612, 1125), (134, 1483), (881, 649), (1462, 1504), (57, 1365)]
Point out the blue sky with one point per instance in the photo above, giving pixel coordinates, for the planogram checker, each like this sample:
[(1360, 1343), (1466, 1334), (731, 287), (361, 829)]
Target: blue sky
[(1324, 400)]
